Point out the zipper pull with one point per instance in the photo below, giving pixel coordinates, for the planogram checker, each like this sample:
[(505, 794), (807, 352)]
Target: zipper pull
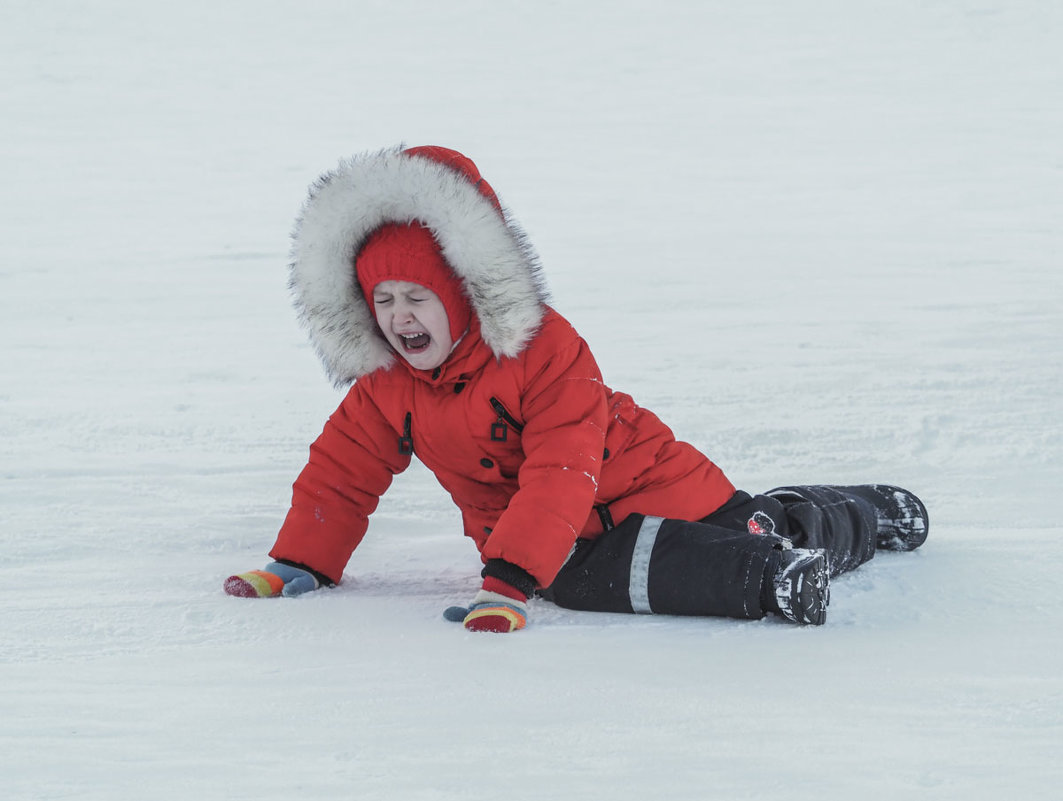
[(499, 429), (406, 440)]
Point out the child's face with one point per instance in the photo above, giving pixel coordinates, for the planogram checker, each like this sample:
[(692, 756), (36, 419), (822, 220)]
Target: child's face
[(414, 322)]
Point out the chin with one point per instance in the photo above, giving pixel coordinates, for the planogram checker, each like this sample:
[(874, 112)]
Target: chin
[(423, 361)]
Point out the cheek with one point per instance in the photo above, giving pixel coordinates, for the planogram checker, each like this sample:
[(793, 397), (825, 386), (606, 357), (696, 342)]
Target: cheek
[(440, 322), (441, 325)]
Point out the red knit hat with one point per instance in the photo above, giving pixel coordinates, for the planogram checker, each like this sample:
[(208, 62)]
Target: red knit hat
[(409, 252)]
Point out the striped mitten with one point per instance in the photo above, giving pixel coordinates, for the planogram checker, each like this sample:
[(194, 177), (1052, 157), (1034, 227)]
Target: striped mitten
[(498, 607), (274, 579)]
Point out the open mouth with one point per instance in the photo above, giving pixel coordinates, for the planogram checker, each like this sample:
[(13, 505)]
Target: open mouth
[(414, 343)]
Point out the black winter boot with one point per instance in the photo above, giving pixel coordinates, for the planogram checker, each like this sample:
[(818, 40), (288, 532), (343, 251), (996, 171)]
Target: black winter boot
[(902, 518), (800, 586)]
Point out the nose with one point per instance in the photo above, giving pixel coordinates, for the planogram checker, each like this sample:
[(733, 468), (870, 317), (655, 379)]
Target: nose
[(403, 311)]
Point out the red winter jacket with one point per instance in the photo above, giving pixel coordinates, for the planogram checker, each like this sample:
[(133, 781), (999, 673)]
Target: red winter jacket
[(516, 424)]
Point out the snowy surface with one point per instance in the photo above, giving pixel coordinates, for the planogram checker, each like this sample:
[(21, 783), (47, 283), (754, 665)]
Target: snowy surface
[(822, 240)]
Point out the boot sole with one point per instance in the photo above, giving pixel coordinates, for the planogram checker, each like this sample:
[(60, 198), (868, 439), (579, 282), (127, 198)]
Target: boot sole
[(908, 524), (806, 586)]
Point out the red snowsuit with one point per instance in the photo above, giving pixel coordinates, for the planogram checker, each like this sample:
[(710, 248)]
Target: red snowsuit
[(516, 423)]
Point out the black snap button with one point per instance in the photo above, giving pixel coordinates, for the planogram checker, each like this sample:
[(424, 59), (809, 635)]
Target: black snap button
[(487, 462)]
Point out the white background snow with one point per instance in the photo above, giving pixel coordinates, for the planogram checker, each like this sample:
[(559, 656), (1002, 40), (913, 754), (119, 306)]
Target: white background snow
[(822, 240)]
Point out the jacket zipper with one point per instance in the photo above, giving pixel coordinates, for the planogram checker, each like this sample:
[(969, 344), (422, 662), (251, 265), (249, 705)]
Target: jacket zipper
[(499, 429), (406, 440)]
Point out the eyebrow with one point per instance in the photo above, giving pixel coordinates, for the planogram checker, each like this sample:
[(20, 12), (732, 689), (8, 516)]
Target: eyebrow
[(381, 293)]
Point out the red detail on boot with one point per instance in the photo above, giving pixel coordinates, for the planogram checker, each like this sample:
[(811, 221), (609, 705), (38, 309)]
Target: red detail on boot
[(760, 523)]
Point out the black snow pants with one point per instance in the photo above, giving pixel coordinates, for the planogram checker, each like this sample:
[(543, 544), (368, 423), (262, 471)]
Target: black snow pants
[(721, 565)]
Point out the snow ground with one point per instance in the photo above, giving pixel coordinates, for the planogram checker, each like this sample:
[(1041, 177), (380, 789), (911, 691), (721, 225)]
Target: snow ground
[(821, 240)]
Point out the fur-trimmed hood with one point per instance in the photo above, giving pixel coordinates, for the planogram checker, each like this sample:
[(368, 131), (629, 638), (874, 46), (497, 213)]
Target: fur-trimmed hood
[(485, 248)]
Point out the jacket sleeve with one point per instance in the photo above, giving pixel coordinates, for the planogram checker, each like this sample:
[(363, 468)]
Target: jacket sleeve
[(564, 409), (351, 464)]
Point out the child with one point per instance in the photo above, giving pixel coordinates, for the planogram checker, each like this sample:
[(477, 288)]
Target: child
[(419, 289)]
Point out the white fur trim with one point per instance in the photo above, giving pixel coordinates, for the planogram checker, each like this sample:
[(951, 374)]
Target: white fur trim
[(489, 253)]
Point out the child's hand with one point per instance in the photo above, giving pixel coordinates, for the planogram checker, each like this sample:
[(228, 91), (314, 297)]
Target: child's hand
[(500, 609), (490, 611), (274, 579)]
